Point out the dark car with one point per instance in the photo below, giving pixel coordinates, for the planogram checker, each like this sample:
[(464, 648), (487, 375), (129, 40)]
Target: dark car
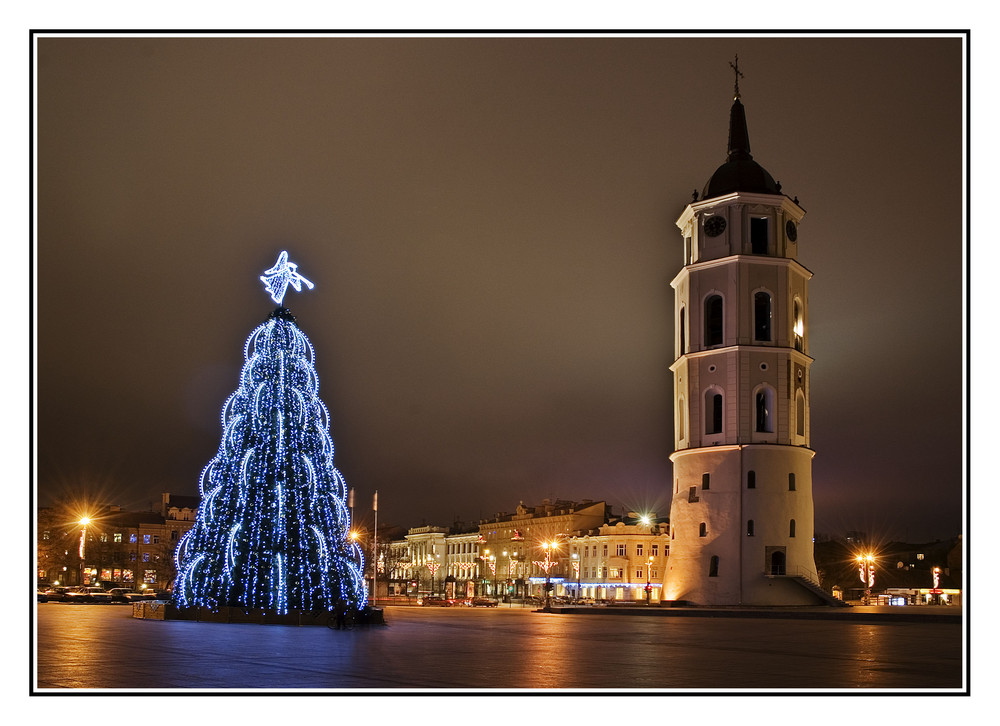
[(440, 602), (54, 594), (123, 594), (482, 602)]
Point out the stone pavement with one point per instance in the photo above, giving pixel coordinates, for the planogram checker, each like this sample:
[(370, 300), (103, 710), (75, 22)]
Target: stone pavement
[(501, 650)]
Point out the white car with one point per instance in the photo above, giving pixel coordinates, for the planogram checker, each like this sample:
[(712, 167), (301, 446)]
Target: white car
[(89, 594)]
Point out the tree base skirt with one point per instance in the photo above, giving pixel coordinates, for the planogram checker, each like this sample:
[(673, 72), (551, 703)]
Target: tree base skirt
[(162, 610)]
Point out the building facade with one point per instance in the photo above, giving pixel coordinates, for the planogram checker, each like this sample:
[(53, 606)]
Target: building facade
[(522, 550), (741, 516), (622, 561), (116, 548)]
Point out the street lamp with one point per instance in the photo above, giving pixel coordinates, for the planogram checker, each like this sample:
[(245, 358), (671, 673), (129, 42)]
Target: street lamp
[(649, 587), (84, 521), (866, 571), (576, 569)]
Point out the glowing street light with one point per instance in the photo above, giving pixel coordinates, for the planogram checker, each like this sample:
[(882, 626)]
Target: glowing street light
[(546, 565), (649, 586), (866, 571), (84, 521)]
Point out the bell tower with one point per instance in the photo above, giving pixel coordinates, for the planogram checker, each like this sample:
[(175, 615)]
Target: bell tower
[(741, 515)]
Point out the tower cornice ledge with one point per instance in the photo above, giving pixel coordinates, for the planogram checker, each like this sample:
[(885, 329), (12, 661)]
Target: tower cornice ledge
[(731, 259), (781, 200), (797, 355), (738, 447)]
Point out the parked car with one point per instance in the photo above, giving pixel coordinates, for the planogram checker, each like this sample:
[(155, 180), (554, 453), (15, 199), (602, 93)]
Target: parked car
[(482, 602), (89, 595), (55, 594), (123, 594), (435, 601)]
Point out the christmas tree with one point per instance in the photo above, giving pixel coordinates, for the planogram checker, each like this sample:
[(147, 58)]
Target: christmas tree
[(272, 529)]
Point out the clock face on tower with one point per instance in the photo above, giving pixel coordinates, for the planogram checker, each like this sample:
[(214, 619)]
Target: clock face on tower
[(714, 226), (790, 231)]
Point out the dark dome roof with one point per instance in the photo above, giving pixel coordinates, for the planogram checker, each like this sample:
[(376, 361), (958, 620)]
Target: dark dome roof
[(740, 173)]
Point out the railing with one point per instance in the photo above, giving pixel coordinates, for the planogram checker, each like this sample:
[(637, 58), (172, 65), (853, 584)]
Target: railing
[(797, 571)]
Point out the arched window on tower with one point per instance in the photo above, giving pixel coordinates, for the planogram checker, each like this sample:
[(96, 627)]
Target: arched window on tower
[(713, 566), (681, 328), (713, 321), (791, 528), (764, 410), (800, 413), (799, 328), (681, 428), (749, 528), (762, 316), (713, 411), (703, 530)]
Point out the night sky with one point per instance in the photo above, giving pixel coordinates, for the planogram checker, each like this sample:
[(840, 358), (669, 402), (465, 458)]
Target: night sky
[(489, 223)]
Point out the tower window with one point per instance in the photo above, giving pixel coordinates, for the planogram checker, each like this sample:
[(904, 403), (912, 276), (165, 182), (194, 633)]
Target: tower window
[(713, 321), (702, 530), (762, 316), (763, 407), (751, 479), (791, 482), (713, 566), (683, 337), (705, 480), (791, 528), (687, 250), (800, 414), (713, 412), (680, 419), (758, 235), (749, 528), (798, 328), (693, 494)]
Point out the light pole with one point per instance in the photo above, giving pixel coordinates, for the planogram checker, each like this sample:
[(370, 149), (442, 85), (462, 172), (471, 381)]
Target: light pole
[(649, 587), (506, 582), (485, 557), (84, 521), (433, 566), (546, 565), (866, 570)]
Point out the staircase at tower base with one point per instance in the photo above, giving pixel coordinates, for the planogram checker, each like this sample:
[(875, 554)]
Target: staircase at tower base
[(825, 597)]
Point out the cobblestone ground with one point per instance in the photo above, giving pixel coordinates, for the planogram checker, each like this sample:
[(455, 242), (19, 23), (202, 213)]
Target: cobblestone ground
[(102, 647)]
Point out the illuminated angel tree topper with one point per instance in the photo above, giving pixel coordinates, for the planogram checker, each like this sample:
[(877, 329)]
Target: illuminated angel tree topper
[(271, 530)]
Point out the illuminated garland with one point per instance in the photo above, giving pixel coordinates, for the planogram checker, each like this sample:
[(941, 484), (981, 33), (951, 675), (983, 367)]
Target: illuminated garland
[(272, 528)]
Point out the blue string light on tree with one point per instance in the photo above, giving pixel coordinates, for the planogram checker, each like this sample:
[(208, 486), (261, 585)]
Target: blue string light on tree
[(271, 531)]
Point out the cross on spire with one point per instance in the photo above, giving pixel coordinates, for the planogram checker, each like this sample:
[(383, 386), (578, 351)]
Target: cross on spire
[(736, 86)]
